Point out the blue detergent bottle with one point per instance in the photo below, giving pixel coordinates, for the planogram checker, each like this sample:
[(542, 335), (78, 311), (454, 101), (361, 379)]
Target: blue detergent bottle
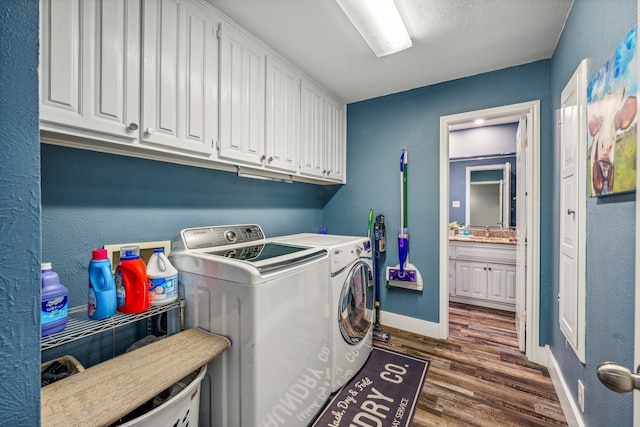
[(102, 301), (54, 308)]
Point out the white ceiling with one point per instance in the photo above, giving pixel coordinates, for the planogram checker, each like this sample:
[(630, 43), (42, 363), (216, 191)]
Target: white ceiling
[(451, 39)]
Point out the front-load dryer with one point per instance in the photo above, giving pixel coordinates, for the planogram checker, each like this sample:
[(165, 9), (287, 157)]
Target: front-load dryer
[(352, 300), (270, 299)]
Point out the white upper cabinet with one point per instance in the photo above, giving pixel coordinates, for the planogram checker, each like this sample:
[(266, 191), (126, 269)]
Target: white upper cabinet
[(176, 80), (90, 67), (323, 134), (282, 126), (311, 129), (334, 139), (242, 97), (180, 75)]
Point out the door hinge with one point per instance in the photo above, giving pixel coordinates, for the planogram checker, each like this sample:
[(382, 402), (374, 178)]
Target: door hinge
[(216, 144), (219, 32)]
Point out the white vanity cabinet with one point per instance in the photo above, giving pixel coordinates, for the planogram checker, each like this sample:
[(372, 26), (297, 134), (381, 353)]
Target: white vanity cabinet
[(90, 68), (484, 274), (180, 75)]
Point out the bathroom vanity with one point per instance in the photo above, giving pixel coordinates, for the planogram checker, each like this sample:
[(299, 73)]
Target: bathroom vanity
[(482, 271)]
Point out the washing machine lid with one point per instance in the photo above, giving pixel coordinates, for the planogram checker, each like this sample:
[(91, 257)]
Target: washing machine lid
[(237, 253)]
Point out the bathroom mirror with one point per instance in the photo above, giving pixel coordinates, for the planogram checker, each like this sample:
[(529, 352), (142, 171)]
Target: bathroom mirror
[(487, 195)]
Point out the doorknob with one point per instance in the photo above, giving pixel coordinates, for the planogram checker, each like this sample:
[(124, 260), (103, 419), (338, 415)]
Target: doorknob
[(617, 377), (571, 212)]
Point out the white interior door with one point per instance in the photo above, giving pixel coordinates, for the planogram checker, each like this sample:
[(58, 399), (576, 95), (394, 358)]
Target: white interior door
[(522, 140), (572, 205)]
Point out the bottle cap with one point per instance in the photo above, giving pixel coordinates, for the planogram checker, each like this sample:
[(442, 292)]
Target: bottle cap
[(130, 252), (45, 266), (98, 254), (157, 250)]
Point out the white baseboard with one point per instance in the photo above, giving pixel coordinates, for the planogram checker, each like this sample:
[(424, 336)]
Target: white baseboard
[(569, 406), (411, 324)]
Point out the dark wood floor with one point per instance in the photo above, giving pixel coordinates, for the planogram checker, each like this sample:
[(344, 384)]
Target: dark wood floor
[(478, 377)]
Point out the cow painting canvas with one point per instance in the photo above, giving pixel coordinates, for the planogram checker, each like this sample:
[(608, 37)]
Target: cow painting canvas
[(612, 125)]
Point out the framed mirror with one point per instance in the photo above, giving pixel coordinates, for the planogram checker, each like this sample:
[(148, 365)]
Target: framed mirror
[(487, 194)]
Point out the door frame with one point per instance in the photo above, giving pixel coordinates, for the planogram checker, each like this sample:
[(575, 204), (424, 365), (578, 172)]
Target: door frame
[(531, 109)]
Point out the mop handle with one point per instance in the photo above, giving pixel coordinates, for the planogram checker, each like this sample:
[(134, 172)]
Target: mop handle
[(403, 162), (405, 209)]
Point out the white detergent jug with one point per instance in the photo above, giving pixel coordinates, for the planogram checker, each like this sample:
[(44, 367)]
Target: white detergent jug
[(162, 278)]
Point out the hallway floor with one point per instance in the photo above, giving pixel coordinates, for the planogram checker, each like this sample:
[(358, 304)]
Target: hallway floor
[(478, 377)]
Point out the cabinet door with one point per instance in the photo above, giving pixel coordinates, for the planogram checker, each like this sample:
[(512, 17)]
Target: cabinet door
[(311, 129), (471, 279), (282, 116), (452, 278), (501, 283), (90, 68), (335, 139), (180, 76), (242, 97)]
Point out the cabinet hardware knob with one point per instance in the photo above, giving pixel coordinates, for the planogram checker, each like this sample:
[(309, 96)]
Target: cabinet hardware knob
[(262, 158), (133, 126), (270, 159), (150, 131)]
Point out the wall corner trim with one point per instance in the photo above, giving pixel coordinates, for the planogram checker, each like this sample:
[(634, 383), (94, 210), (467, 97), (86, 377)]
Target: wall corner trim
[(411, 324), (569, 406)]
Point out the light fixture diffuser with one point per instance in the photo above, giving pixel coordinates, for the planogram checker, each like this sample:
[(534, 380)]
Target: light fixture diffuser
[(379, 23)]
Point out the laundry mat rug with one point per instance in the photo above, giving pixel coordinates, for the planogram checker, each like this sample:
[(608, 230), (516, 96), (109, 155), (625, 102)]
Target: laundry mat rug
[(384, 393)]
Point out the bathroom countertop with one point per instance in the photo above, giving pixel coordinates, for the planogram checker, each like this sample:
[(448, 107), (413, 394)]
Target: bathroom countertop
[(482, 239), (104, 393)]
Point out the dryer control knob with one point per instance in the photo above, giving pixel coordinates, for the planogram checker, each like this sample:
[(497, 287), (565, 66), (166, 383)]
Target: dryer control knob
[(358, 250), (230, 236)]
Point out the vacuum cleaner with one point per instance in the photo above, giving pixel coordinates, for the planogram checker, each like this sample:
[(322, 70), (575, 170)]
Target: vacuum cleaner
[(379, 248), (405, 274)]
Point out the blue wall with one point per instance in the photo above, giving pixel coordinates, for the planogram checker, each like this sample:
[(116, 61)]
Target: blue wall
[(594, 29), (87, 202), (90, 199), (377, 131), (19, 215)]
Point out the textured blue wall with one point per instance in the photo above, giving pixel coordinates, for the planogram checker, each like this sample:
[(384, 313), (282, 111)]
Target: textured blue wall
[(378, 129), (19, 215), (90, 199), (594, 29)]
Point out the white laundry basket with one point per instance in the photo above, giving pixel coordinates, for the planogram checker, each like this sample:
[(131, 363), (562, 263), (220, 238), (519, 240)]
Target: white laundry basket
[(181, 410)]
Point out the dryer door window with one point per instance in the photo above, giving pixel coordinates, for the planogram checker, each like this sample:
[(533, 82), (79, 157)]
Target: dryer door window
[(355, 311)]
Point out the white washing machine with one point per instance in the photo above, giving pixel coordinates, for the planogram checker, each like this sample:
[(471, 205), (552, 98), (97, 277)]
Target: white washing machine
[(270, 299), (352, 300)]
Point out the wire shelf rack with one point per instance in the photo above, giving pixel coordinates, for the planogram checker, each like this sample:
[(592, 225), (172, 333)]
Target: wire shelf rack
[(79, 325)]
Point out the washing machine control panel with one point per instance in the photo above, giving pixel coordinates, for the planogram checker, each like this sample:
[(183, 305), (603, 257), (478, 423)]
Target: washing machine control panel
[(216, 236)]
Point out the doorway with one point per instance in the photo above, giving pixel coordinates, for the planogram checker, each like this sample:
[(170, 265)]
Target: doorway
[(529, 174)]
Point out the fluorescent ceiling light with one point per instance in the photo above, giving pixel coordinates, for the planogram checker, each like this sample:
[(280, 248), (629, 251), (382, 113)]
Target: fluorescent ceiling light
[(478, 121), (379, 23)]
